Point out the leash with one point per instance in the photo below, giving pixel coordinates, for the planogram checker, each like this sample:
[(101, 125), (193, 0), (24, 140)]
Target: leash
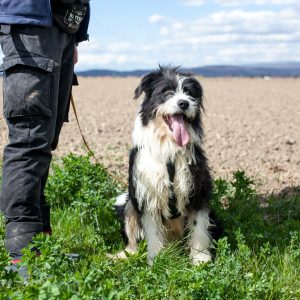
[(89, 150)]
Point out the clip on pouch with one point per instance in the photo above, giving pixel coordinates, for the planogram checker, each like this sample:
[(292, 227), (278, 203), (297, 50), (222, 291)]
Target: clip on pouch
[(68, 14)]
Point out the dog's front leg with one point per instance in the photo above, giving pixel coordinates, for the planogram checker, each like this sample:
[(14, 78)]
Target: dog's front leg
[(200, 239), (153, 234)]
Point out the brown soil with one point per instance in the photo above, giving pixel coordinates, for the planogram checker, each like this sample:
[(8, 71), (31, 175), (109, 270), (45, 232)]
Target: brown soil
[(250, 124)]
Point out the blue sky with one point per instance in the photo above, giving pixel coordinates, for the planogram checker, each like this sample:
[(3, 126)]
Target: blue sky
[(134, 34)]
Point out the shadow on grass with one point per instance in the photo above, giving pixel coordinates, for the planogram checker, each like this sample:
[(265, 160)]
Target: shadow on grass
[(260, 218), (282, 214)]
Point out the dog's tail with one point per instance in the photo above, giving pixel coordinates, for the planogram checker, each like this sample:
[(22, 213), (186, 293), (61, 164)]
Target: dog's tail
[(120, 204), (132, 230)]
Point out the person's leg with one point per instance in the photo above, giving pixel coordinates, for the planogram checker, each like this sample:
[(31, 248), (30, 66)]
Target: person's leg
[(45, 207), (31, 83), (63, 104), (65, 87), (25, 160)]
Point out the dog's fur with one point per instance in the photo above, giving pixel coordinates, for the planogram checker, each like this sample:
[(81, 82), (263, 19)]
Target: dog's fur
[(169, 179)]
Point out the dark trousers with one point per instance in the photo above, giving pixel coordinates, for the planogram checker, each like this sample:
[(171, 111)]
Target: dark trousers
[(38, 71)]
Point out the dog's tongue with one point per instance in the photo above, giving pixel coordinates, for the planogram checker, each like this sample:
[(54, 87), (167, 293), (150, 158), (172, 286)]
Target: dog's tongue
[(180, 132)]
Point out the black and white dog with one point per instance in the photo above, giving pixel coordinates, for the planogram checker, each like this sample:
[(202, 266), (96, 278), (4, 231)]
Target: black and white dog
[(169, 179)]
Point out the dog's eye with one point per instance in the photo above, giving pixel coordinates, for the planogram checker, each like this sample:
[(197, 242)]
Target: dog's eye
[(187, 92), (169, 93)]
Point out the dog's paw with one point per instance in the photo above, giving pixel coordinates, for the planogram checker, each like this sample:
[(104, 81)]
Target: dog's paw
[(119, 255), (150, 261), (201, 257), (122, 254)]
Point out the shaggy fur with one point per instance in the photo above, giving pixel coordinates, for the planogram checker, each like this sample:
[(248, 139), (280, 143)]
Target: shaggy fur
[(169, 179)]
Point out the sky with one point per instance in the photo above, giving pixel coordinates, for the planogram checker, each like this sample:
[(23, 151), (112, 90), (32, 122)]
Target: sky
[(135, 34)]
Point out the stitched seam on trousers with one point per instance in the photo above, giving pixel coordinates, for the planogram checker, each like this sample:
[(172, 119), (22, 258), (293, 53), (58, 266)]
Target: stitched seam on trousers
[(21, 179)]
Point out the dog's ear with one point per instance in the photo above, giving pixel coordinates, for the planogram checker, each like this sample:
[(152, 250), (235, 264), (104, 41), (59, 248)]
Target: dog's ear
[(146, 85)]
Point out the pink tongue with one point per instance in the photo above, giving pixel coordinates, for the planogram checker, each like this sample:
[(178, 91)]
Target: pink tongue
[(180, 133)]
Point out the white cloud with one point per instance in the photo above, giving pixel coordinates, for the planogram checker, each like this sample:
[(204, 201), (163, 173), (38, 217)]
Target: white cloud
[(245, 25), (235, 36), (156, 18), (241, 2), (256, 2), (178, 25), (164, 31), (119, 47), (110, 60), (193, 2)]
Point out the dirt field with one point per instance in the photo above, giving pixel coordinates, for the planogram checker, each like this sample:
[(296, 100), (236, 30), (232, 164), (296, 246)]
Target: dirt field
[(250, 124)]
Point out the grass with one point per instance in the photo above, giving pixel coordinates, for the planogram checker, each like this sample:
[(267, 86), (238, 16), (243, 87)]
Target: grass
[(258, 257)]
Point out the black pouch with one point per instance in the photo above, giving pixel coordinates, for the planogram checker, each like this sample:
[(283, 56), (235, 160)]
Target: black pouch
[(68, 14)]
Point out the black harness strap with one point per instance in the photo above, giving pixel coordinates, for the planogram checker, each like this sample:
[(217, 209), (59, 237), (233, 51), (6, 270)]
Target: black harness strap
[(172, 199), (131, 184)]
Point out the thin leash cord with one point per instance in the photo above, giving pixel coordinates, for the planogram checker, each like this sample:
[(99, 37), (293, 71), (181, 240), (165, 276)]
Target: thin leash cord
[(88, 148)]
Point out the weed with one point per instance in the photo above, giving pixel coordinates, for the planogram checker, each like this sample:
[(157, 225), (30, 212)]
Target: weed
[(258, 257)]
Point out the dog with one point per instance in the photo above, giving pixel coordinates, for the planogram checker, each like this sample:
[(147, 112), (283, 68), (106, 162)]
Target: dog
[(170, 185)]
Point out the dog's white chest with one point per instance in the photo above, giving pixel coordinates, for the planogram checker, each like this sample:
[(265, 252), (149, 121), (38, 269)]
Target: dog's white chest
[(153, 185)]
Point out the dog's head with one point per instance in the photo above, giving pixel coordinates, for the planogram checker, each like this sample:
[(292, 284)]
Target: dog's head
[(175, 97)]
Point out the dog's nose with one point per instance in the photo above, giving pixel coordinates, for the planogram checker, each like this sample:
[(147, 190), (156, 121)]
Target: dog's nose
[(183, 104)]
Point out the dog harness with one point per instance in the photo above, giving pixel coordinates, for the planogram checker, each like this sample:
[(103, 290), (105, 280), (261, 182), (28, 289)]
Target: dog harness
[(172, 199)]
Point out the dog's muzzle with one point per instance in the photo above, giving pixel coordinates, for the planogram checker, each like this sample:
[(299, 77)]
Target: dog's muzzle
[(183, 104)]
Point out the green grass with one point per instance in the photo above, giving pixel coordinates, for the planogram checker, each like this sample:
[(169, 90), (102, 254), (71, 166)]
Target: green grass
[(258, 257)]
